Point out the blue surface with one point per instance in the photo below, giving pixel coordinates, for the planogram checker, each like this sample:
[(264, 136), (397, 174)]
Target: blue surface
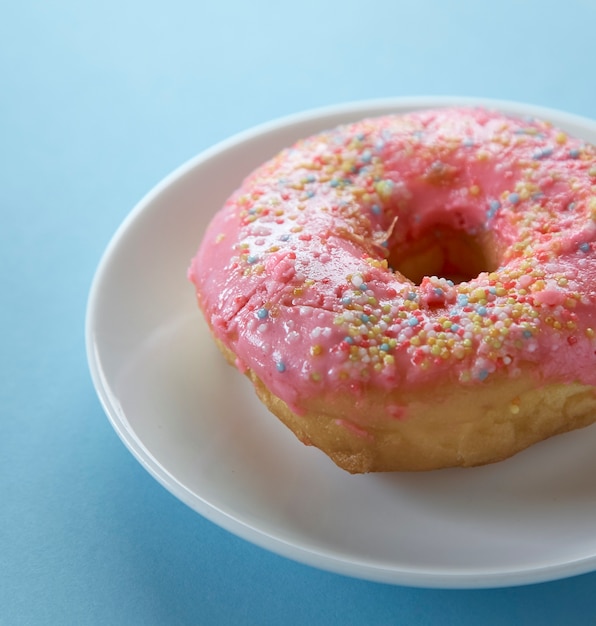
[(98, 101)]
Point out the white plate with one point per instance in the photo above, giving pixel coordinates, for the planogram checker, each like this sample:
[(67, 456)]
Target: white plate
[(195, 424)]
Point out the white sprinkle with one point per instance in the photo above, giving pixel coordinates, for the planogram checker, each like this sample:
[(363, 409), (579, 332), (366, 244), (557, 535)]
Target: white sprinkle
[(357, 280)]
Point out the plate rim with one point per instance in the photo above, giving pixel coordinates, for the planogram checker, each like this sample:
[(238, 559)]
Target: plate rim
[(321, 559)]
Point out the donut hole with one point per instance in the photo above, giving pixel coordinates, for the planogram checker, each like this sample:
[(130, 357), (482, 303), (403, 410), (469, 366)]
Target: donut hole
[(444, 252)]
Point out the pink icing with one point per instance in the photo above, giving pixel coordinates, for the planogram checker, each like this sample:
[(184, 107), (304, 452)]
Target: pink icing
[(293, 277)]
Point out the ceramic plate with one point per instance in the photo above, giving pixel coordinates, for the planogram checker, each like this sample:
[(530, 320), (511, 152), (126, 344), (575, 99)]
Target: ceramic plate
[(195, 424)]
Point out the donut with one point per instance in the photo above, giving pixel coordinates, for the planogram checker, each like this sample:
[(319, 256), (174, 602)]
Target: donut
[(413, 292)]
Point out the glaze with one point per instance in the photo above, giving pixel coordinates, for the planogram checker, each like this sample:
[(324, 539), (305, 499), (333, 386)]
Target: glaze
[(293, 273)]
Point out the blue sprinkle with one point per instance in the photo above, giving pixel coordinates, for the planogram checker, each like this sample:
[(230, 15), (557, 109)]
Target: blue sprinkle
[(285, 237), (439, 292), (492, 290), (482, 374), (542, 154), (574, 154), (310, 193), (462, 299), (345, 301), (349, 340), (481, 310), (413, 321), (262, 313), (411, 295), (514, 198), (376, 209), (366, 156), (310, 179), (385, 347), (334, 182), (361, 136), (493, 207), (584, 247), (468, 142), (537, 195), (365, 318), (527, 334), (363, 287), (253, 258), (454, 328), (571, 206), (385, 244), (450, 282), (281, 367)]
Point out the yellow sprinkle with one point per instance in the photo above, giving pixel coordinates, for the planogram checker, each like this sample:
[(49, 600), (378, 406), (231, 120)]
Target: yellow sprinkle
[(561, 138), (478, 294), (474, 190), (383, 188), (590, 333), (316, 350)]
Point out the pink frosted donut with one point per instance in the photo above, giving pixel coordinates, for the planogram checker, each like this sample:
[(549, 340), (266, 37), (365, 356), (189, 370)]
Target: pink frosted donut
[(413, 292)]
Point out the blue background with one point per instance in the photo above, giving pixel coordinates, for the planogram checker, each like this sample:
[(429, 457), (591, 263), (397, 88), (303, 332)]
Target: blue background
[(99, 101)]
